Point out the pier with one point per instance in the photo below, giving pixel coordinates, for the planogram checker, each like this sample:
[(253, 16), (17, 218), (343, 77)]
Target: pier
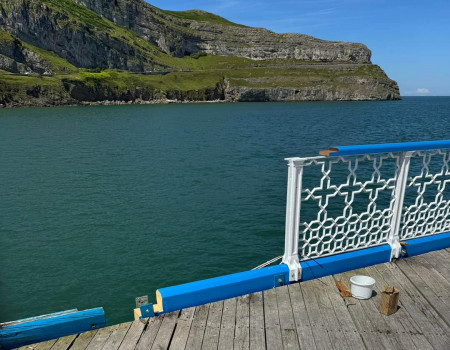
[(306, 315), (381, 211)]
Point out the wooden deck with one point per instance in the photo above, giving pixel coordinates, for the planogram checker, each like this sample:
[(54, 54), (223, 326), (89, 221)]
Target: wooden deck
[(308, 315)]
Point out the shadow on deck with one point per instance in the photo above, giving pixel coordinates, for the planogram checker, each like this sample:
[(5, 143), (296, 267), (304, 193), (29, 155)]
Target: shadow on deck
[(307, 315)]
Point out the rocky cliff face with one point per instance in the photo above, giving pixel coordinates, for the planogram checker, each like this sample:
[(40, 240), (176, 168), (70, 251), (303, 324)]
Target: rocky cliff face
[(16, 58), (89, 43), (178, 35), (127, 51)]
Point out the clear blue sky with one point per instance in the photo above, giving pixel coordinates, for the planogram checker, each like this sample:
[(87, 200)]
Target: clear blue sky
[(410, 40)]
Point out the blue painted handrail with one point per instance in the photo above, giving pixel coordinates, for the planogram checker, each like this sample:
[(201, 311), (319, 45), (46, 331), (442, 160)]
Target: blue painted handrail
[(336, 151), (328, 262), (37, 329)]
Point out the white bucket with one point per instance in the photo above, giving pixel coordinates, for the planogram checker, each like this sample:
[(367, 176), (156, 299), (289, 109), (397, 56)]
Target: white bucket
[(362, 286)]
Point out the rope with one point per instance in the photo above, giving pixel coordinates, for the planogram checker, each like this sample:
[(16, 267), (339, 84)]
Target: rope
[(268, 262)]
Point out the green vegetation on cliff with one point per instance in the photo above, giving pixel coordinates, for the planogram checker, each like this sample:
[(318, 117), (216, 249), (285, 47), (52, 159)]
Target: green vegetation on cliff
[(200, 16), (66, 53)]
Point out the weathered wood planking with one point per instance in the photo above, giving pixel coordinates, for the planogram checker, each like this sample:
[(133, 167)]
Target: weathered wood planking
[(257, 324), (242, 331), (83, 340), (308, 315), (408, 336), (320, 333), (272, 320), (343, 317), (198, 326), (151, 330), (212, 330), (183, 327), (420, 311), (302, 322), (133, 335), (64, 343), (165, 331), (287, 323), (228, 324), (371, 311), (100, 338)]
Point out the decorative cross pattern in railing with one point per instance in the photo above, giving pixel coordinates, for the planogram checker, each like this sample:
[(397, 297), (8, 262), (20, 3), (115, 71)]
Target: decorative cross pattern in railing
[(427, 199), (365, 197), (345, 211)]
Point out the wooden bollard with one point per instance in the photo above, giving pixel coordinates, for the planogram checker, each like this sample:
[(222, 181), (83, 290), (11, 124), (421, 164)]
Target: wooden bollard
[(389, 301)]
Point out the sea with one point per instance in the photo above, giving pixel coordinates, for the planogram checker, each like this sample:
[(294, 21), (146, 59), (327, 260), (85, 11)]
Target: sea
[(102, 204)]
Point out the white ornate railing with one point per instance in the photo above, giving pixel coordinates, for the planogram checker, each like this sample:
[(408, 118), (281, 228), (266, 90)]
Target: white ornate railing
[(341, 203)]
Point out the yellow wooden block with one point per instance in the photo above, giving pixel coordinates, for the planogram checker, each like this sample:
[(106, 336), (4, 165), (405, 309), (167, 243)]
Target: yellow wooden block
[(137, 313), (158, 307)]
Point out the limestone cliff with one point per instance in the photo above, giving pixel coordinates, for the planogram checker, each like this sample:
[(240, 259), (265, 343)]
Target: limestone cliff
[(127, 51), (183, 33)]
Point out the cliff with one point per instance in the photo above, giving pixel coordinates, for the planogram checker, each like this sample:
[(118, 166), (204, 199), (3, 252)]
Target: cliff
[(69, 52)]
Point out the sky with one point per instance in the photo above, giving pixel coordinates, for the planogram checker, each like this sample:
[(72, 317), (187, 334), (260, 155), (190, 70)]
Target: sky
[(409, 39)]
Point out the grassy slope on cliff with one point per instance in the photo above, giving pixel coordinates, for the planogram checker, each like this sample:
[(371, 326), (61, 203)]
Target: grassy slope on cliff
[(186, 74)]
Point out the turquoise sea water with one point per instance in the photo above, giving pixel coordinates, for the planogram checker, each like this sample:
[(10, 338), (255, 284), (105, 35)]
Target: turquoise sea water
[(99, 205)]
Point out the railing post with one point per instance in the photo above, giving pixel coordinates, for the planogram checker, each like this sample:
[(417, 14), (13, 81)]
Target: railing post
[(293, 201), (401, 180)]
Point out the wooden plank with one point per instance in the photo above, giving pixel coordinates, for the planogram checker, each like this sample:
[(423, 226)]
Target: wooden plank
[(46, 345), (198, 326), (302, 324), (431, 276), (344, 319), (242, 330), (101, 337), (442, 285), (409, 336), (419, 299), (212, 331), (64, 343), (28, 347), (272, 320), (372, 339), (318, 327), (166, 330), (148, 336), (116, 337), (422, 280), (83, 340), (182, 331), (421, 313), (257, 329), (440, 262), (226, 337), (287, 323), (371, 310), (134, 333), (335, 333)]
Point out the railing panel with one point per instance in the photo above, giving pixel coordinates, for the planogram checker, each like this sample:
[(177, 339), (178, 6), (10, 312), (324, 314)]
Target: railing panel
[(426, 208), (347, 199), (347, 203)]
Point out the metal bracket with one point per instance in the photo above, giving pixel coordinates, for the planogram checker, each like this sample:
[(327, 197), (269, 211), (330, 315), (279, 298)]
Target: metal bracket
[(147, 311), (141, 301), (295, 270), (279, 281)]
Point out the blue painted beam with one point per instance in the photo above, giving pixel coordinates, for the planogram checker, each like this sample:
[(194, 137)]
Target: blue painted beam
[(229, 286), (336, 151), (417, 246), (338, 263), (41, 328), (220, 288)]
